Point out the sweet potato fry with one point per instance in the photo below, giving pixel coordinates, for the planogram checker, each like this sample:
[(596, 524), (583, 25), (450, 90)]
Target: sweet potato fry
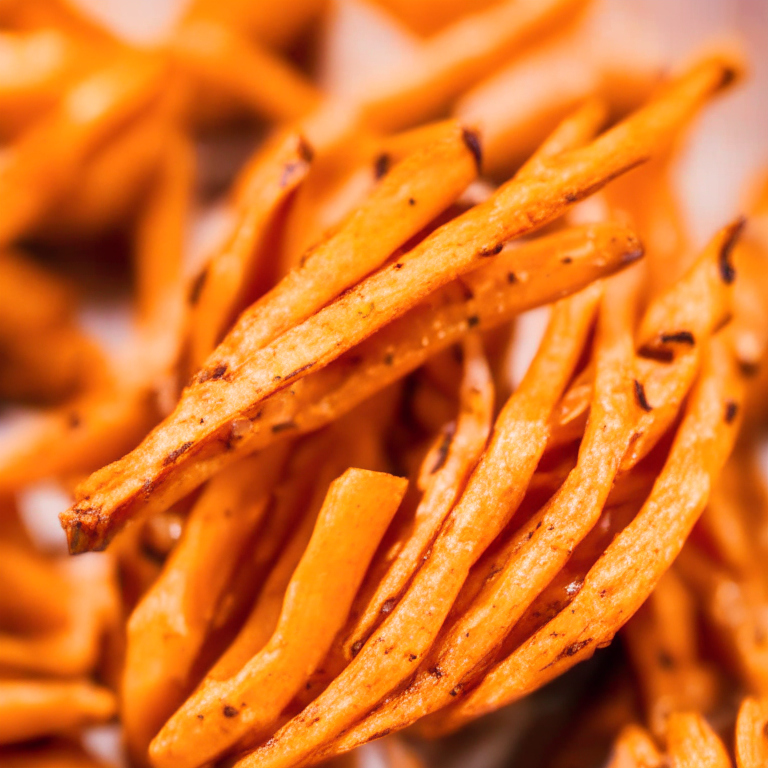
[(493, 493), (29, 579), (357, 511), (458, 56), (344, 175), (40, 165), (273, 23), (91, 602), (167, 629), (159, 259), (225, 284), (662, 643), (43, 354), (76, 436), (751, 738), (445, 472), (634, 748), (736, 610), (30, 709), (541, 547), (94, 203), (456, 248), (692, 743), (674, 328), (630, 567), (48, 755), (221, 59), (543, 270)]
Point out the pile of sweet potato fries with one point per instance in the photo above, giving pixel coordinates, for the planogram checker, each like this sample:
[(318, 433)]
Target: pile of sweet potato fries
[(330, 511)]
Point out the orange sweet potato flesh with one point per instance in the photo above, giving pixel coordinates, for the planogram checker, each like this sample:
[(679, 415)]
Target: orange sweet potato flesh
[(221, 394)]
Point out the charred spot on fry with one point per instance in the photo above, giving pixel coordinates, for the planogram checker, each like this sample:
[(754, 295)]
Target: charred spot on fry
[(731, 411), (640, 396), (197, 286), (173, 455), (678, 337), (725, 260), (381, 165), (492, 250), (230, 711)]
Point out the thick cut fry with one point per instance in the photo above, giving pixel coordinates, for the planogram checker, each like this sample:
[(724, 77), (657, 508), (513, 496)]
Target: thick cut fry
[(228, 277), (634, 748), (633, 563), (445, 472), (493, 493), (357, 511), (751, 737), (543, 545), (167, 629), (30, 709), (693, 744), (220, 58)]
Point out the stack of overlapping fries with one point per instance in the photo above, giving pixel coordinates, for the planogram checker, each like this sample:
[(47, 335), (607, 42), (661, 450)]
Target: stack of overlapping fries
[(331, 511)]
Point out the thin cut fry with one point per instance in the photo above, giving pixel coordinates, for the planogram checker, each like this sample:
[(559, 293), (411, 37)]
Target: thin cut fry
[(634, 748), (224, 285), (662, 643), (542, 546), (167, 629), (693, 744), (446, 474), (391, 654), (630, 567), (357, 511), (223, 60), (30, 709)]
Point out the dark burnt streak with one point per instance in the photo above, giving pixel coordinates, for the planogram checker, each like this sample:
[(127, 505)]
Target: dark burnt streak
[(725, 257), (173, 455), (659, 354), (491, 250), (197, 287), (304, 148), (678, 337), (445, 444), (283, 426), (381, 165), (731, 411), (642, 400), (211, 374), (300, 370)]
